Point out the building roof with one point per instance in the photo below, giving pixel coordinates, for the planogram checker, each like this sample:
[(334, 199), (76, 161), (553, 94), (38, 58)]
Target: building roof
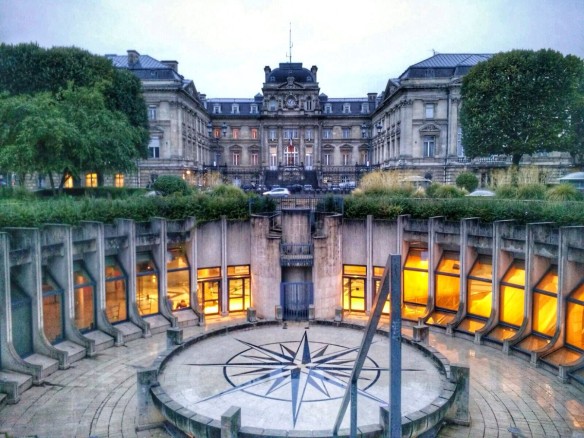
[(145, 67), (294, 69), (444, 65)]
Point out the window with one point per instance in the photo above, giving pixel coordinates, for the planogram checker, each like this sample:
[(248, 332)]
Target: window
[(52, 308), (365, 108), (151, 113), (328, 108), (119, 180), (235, 158), (116, 307), (253, 109), (235, 108), (239, 288), (346, 108), (354, 292), (545, 304), (216, 132), (327, 159), (146, 284), (327, 133), (290, 133), (254, 159), (209, 288), (346, 158), (479, 294), (84, 298), (308, 159), (428, 146), (178, 278), (308, 134), (459, 145), (308, 105), (272, 105), (346, 132), (235, 133), (291, 155), (272, 134), (91, 179), (273, 159), (216, 108), (254, 133), (429, 110), (154, 147)]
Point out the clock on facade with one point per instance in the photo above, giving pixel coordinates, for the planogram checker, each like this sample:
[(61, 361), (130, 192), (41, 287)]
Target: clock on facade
[(290, 102)]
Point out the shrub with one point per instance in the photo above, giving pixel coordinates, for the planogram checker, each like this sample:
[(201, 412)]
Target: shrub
[(169, 184), (448, 191), (531, 191), (431, 190), (506, 191), (563, 192), (467, 181), (227, 190)]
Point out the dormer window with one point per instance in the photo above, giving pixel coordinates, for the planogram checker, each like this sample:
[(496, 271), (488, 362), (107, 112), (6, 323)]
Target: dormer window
[(272, 105), (235, 108), (346, 108), (328, 108), (365, 108), (216, 108), (253, 109)]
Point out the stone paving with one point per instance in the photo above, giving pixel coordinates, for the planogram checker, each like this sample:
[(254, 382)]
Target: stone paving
[(97, 397)]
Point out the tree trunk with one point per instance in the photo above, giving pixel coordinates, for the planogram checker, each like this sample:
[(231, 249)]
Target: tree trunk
[(516, 159)]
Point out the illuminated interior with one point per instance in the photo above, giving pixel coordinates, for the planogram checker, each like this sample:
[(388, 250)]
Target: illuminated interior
[(575, 319), (178, 279), (512, 301), (21, 320), (119, 180), (91, 179), (209, 293), (52, 308), (447, 289), (68, 182), (354, 296), (479, 295), (116, 300), (544, 312), (378, 272), (415, 284), (239, 288), (84, 298), (146, 284)]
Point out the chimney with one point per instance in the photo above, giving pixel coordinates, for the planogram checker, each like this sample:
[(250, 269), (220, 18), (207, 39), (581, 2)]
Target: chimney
[(267, 71), (171, 64), (313, 70), (133, 57)]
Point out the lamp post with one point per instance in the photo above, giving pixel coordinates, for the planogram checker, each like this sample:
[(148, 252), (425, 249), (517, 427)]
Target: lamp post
[(215, 145), (365, 133)]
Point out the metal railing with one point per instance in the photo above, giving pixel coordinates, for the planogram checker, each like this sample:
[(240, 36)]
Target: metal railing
[(296, 254)]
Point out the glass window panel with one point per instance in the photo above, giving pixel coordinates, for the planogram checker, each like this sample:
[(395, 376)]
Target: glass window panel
[(53, 317), (415, 287), (145, 263), (512, 301), (21, 321), (378, 271), (533, 342), (412, 312), (578, 294), (417, 258), (549, 282), (449, 264), (115, 300), (177, 259), (471, 325), (575, 324), (238, 270), (480, 296), (563, 356), (178, 289), (112, 268), (502, 332), (354, 270), (210, 291), (545, 311), (515, 274), (482, 268), (208, 273), (147, 294), (447, 292), (84, 308)]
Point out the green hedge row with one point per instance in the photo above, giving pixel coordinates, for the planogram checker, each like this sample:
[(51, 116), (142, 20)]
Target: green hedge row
[(210, 206)]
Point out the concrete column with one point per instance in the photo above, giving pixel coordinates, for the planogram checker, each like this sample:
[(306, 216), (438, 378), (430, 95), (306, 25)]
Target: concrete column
[(369, 262), (149, 417), (231, 422), (224, 279), (159, 253), (421, 333), (434, 224), (174, 336), (459, 412)]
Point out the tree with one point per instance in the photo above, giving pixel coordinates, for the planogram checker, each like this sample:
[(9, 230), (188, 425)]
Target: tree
[(523, 102)]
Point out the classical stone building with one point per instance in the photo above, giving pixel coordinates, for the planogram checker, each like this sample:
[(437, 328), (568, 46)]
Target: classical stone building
[(293, 133)]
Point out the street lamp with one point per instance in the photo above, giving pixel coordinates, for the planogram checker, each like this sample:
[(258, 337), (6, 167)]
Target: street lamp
[(365, 127), (215, 147)]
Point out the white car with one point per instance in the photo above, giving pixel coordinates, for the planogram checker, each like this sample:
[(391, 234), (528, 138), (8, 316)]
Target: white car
[(278, 192)]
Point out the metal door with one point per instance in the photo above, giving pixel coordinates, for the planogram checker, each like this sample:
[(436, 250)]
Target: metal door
[(295, 298)]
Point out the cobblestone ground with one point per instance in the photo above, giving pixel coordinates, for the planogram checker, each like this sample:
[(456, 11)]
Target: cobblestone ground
[(97, 397)]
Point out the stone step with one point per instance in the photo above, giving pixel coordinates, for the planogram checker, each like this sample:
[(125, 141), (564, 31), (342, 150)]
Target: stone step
[(102, 340), (186, 318), (75, 352), (130, 331), (48, 364), (24, 381), (158, 323), (3, 398)]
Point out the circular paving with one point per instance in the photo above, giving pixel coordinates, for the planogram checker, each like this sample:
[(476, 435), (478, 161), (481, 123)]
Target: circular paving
[(294, 378)]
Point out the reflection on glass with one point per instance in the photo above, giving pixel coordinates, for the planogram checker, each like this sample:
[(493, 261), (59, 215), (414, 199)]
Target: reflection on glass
[(239, 288), (480, 292), (178, 283), (448, 282), (146, 284), (84, 301), (116, 307), (52, 308), (512, 294), (354, 279), (575, 319), (21, 321), (415, 277), (545, 303), (209, 289)]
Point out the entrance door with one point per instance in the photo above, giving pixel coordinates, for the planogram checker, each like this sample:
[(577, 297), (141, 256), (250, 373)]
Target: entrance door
[(295, 299), (210, 297)]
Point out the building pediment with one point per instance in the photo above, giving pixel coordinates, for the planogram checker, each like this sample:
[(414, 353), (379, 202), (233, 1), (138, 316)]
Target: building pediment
[(430, 127)]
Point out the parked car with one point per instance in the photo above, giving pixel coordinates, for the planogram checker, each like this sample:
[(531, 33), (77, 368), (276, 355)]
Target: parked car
[(307, 188), (278, 192), (295, 188)]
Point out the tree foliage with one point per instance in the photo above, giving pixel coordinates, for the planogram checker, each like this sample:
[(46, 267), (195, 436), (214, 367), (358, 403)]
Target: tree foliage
[(523, 102), (66, 110)]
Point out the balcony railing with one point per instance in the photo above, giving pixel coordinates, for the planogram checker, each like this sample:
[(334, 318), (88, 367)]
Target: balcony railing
[(296, 254)]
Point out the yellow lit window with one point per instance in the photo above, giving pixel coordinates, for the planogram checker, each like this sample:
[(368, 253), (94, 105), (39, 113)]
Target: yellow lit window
[(91, 179), (575, 318), (545, 303), (146, 285), (479, 288), (209, 290), (448, 281), (415, 277), (208, 273), (68, 183), (119, 180), (354, 292), (512, 294), (115, 291), (178, 279), (239, 288), (354, 270)]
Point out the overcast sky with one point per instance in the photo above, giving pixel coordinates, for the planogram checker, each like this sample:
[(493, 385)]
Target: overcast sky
[(223, 45)]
